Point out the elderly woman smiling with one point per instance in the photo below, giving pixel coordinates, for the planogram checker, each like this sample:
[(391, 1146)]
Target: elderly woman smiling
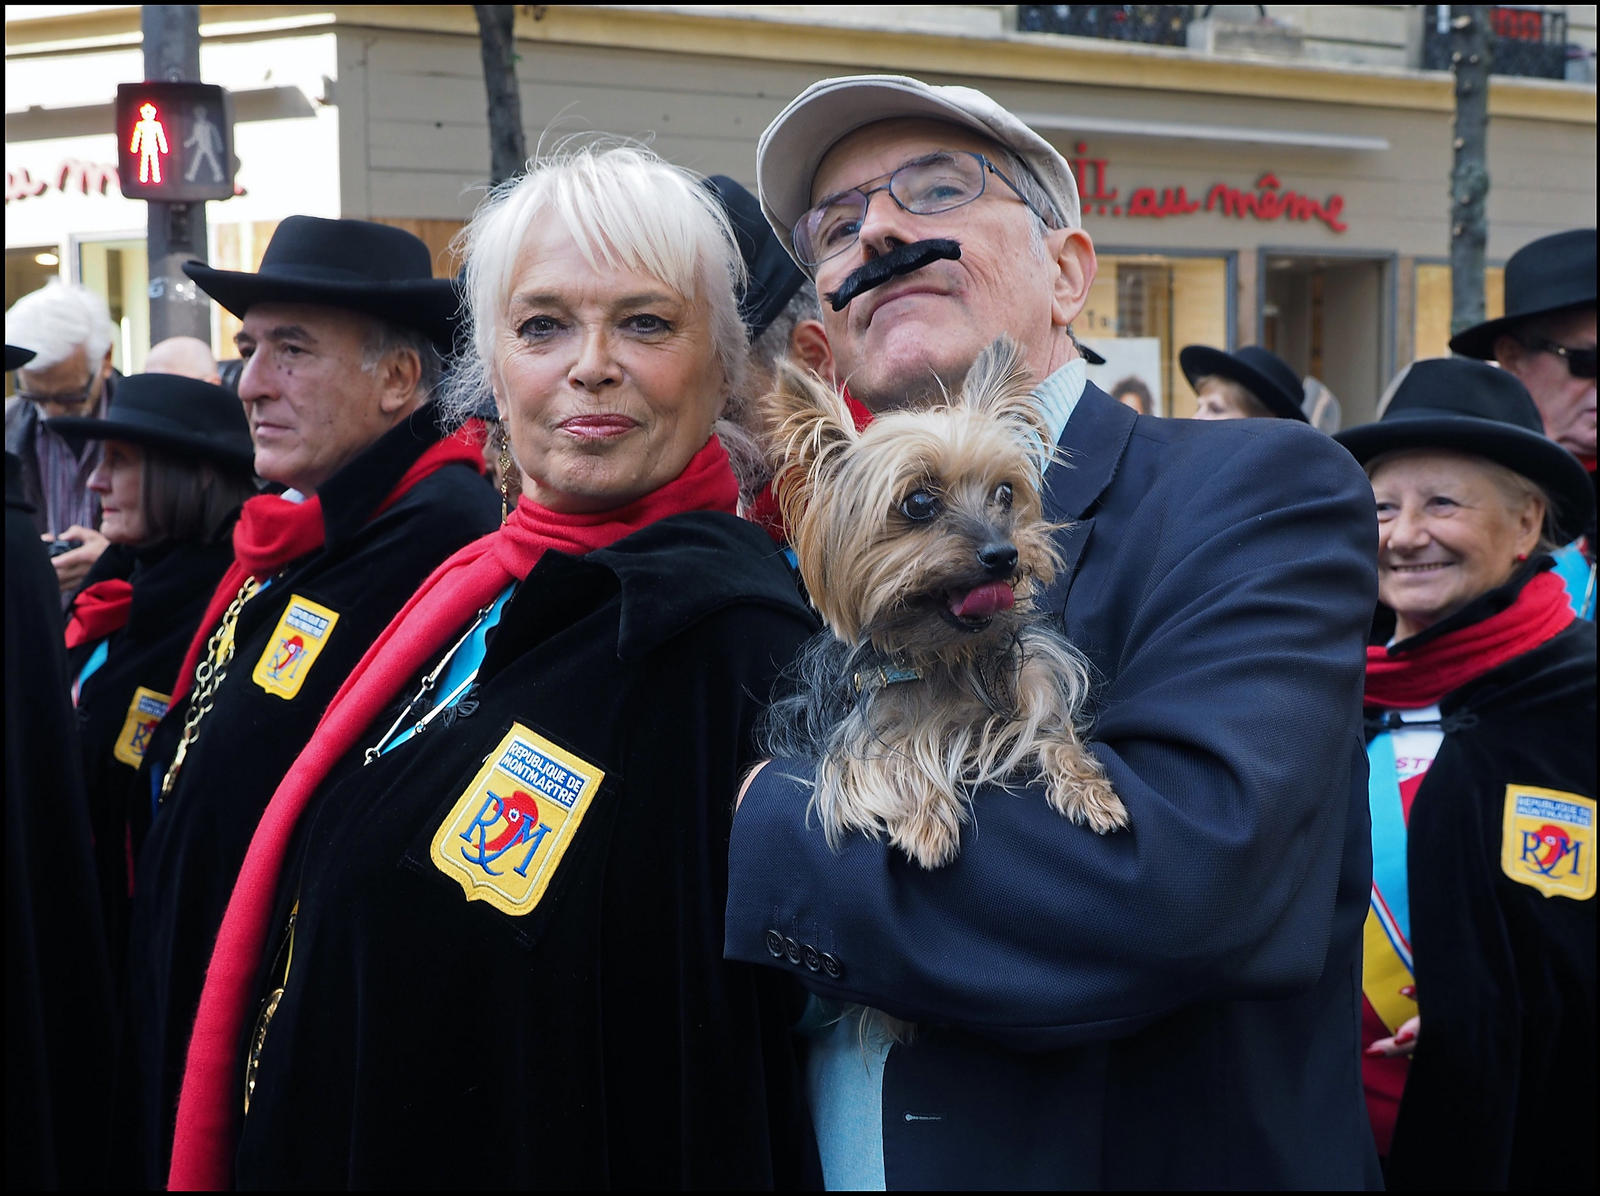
[(1481, 750), (494, 954)]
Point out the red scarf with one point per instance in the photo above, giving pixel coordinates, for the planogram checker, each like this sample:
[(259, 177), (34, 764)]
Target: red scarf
[(99, 610), (272, 531), (202, 1156), (1421, 676), (764, 510)]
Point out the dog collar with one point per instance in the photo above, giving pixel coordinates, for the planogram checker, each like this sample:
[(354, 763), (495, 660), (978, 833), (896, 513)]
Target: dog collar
[(882, 675)]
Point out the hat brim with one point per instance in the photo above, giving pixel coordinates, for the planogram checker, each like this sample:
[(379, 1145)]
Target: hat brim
[(81, 428), (1478, 341), (430, 305), (1199, 361), (1533, 456), (793, 146)]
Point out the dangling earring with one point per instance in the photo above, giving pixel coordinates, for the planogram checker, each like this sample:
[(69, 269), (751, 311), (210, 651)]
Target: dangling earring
[(504, 464)]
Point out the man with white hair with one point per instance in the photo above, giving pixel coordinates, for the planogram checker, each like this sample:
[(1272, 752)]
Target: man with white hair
[(186, 355), (1174, 1005), (69, 328)]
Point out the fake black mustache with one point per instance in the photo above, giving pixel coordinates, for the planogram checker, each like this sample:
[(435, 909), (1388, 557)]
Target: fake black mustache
[(902, 259)]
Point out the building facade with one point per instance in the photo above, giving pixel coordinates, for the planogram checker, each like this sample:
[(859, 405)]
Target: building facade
[(1279, 181)]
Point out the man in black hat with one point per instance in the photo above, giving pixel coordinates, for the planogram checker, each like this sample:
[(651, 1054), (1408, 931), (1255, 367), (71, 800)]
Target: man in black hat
[(344, 332), (1249, 384), (1547, 339)]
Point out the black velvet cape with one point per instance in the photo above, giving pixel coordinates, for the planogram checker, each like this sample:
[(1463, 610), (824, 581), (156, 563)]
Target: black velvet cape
[(171, 585), (599, 1039), (366, 570)]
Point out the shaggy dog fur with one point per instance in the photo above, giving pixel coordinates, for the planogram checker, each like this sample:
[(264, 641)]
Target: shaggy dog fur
[(922, 542)]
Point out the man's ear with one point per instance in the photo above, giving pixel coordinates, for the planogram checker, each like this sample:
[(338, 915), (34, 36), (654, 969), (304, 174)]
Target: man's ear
[(1508, 351), (399, 376), (105, 367), (808, 345), (1073, 254)]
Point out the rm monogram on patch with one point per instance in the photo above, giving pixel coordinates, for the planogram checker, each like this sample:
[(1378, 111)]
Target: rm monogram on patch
[(299, 637), (1547, 841), (144, 712), (504, 837)]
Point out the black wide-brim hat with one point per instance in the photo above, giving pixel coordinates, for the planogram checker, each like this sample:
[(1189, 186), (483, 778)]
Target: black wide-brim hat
[(1552, 274), (181, 415), (1263, 374), (17, 357), (1470, 407), (357, 265)]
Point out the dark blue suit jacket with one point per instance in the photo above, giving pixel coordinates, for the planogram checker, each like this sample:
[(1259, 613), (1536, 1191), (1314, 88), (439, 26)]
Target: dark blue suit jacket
[(1172, 1006)]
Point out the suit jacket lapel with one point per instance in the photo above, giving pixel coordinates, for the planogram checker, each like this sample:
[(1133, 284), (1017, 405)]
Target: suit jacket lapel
[(1091, 447)]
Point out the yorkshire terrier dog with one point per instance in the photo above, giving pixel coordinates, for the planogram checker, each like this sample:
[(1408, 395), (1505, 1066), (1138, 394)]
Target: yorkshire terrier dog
[(922, 542)]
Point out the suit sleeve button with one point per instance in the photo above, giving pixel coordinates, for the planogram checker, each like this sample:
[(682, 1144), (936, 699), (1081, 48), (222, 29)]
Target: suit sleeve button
[(791, 950), (812, 957), (832, 966), (774, 944)]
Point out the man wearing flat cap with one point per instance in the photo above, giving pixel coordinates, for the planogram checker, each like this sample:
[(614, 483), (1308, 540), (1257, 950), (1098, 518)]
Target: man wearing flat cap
[(1174, 1005), (344, 332), (1547, 339)]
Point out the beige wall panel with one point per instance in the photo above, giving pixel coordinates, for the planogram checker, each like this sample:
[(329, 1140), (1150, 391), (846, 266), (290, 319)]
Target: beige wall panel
[(425, 142)]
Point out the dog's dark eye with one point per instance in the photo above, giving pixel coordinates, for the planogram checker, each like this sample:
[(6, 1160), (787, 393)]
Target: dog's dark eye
[(1002, 495), (920, 506)]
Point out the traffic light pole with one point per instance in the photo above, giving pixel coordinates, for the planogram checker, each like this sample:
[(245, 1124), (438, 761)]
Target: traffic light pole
[(177, 231)]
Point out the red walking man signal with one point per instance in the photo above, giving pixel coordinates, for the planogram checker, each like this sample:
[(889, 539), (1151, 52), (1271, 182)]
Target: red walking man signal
[(149, 142), (174, 141)]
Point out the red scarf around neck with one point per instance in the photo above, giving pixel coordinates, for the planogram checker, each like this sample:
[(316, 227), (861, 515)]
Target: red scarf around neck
[(272, 531), (202, 1156), (1420, 677), (99, 610)]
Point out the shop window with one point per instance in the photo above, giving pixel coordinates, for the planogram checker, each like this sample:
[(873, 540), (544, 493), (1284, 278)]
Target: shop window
[(119, 270), (1432, 328), (1144, 308)]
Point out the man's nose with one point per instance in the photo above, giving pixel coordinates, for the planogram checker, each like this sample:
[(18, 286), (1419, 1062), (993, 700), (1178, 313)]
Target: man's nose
[(885, 224), (252, 379)]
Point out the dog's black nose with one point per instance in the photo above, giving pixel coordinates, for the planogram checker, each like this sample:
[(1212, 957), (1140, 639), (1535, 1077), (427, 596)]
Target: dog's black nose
[(999, 557)]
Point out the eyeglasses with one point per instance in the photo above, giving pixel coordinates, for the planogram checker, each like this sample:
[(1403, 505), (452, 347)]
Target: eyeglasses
[(69, 398), (925, 186), (1580, 362)]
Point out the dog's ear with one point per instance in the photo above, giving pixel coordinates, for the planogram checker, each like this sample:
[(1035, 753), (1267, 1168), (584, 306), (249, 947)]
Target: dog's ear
[(999, 381), (804, 417), (808, 426)]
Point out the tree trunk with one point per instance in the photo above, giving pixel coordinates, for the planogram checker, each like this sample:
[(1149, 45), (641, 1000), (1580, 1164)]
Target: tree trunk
[(1471, 56), (508, 147)]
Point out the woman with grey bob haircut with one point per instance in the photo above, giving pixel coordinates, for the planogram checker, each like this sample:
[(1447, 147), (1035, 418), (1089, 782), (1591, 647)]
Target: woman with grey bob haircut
[(531, 776)]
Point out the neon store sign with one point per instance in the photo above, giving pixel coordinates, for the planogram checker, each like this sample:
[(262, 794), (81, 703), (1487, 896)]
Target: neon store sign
[(1265, 201)]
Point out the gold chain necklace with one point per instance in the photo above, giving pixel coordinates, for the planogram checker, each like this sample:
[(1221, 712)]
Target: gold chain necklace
[(208, 674)]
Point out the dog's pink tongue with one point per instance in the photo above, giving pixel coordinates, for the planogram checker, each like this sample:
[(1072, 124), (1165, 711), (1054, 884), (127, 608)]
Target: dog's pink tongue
[(982, 602)]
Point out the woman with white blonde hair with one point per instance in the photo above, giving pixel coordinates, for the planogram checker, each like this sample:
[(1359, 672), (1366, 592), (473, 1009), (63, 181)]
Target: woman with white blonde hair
[(478, 937)]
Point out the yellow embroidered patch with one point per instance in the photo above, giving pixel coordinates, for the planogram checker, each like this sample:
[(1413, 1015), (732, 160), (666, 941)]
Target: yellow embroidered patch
[(298, 639), (1547, 841), (144, 712), (521, 812)]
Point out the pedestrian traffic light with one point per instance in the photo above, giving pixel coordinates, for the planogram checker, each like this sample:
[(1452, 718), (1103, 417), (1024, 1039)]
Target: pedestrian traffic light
[(174, 141)]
